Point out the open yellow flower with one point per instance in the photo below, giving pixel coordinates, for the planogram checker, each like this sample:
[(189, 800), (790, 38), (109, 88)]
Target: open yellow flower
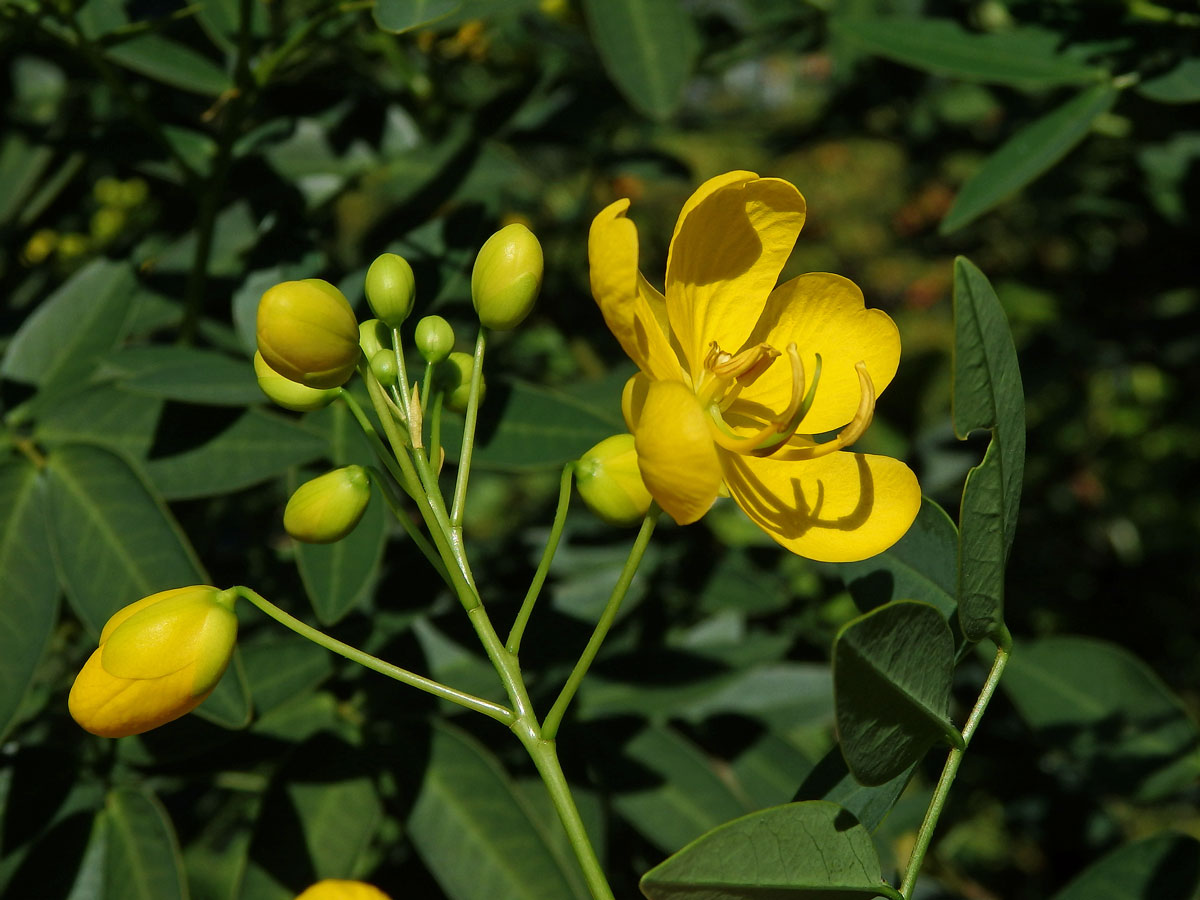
[(740, 377)]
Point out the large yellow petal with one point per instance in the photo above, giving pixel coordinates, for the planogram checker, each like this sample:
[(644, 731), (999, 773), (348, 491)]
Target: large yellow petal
[(675, 451), (837, 508), (821, 313), (634, 311), (730, 244)]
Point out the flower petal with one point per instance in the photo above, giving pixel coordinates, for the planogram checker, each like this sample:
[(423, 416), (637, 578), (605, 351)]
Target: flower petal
[(821, 313), (837, 508), (675, 451), (730, 244), (633, 399), (633, 310), (117, 707)]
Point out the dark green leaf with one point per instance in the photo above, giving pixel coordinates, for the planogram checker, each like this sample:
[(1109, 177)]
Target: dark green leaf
[(649, 67), (114, 541), (831, 780), (1180, 85), (1026, 58), (892, 671), (813, 849), (280, 667), (229, 704), (1163, 867), (768, 771), (1027, 154), (982, 549), (143, 861), (99, 414), (21, 169), (171, 63), (403, 15), (475, 834), (184, 374), (29, 600)]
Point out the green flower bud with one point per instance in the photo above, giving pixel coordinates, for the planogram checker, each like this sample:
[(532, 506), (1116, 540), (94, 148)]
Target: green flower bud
[(133, 193), (107, 191), (107, 223), (383, 366), (290, 394), (327, 508), (43, 242), (373, 336), (73, 245), (610, 482), (507, 277), (434, 338), (390, 288), (307, 333), (453, 376)]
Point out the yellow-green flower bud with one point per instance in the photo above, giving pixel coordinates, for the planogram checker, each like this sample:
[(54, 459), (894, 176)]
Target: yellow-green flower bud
[(610, 482), (106, 223), (290, 394), (158, 659), (107, 191), (43, 242), (327, 508), (434, 338), (453, 375), (133, 193), (383, 366), (373, 336), (390, 288), (507, 277), (340, 889), (73, 245), (307, 333)]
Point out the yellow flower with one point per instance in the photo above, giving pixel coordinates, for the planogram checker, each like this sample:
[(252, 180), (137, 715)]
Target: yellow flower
[(337, 889), (739, 377), (158, 659)]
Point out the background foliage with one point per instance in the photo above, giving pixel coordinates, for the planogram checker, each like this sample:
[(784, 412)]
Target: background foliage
[(162, 164)]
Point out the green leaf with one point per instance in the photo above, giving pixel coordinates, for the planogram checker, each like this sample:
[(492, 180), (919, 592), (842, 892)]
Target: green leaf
[(922, 565), (143, 860), (474, 832), (813, 849), (1163, 867), (72, 328), (229, 704), (1180, 85), (1025, 58), (987, 394), (830, 779), (648, 48), (892, 672), (280, 667), (184, 374), (398, 16), (113, 540), (21, 168), (1027, 154), (29, 601), (101, 414), (171, 63)]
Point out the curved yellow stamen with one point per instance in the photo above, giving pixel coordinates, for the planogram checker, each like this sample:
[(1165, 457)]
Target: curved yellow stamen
[(777, 431), (854, 430)]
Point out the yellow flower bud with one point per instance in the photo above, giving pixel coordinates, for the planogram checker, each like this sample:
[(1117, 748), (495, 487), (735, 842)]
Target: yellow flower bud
[(610, 482), (453, 375), (158, 659), (338, 889), (390, 288), (307, 333), (106, 223), (73, 245), (43, 242), (327, 508), (373, 336), (434, 338), (507, 277), (290, 394)]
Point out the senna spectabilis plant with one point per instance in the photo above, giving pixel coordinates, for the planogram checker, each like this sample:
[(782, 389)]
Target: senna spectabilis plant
[(745, 387)]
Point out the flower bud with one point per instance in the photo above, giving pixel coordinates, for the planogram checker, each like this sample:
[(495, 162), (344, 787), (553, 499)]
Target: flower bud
[(610, 482), (390, 288), (383, 367), (434, 338), (307, 333), (453, 376), (290, 394), (507, 277), (327, 508), (339, 889), (158, 659), (373, 336)]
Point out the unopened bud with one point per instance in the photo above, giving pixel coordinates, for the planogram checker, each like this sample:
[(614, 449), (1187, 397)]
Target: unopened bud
[(507, 277), (390, 288), (327, 508), (434, 338), (287, 393), (453, 376), (307, 333), (610, 482), (383, 367)]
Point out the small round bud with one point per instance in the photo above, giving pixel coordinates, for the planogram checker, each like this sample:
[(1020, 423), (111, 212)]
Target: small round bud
[(307, 333), (133, 193), (507, 277), (453, 376), (107, 223), (290, 394), (383, 367), (434, 338), (373, 336), (107, 191), (73, 245), (610, 482), (43, 242), (327, 508), (390, 288)]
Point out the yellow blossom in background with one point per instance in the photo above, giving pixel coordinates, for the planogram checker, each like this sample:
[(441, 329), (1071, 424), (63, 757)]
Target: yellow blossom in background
[(337, 889), (739, 376), (158, 659)]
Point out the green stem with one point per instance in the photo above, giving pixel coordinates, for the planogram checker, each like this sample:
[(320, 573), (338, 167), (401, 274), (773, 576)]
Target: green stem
[(539, 577), (950, 770), (426, 387), (368, 429), (435, 426), (478, 704), (410, 529), (554, 717), (468, 441)]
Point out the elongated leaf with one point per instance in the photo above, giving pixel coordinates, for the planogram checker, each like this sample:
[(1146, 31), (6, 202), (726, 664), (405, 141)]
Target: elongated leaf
[(113, 539), (184, 374), (892, 671), (830, 779), (475, 834), (1180, 85), (282, 667), (1165, 867), (398, 16), (987, 394), (101, 414), (21, 169), (29, 600), (143, 861), (171, 63), (813, 849), (1027, 154), (229, 705), (648, 48), (1020, 58), (72, 328)]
